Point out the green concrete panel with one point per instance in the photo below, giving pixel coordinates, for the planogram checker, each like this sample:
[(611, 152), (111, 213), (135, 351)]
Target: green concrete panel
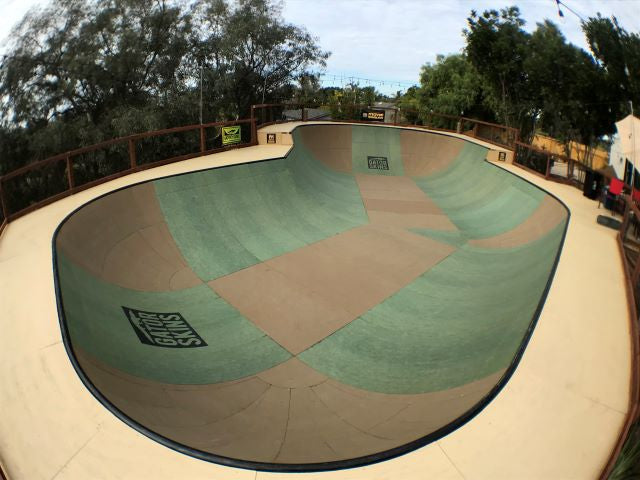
[(461, 321), (376, 142), (227, 219), (235, 347), (480, 199)]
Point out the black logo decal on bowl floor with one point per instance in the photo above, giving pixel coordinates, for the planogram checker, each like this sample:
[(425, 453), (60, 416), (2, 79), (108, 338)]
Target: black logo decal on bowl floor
[(378, 163), (163, 329)]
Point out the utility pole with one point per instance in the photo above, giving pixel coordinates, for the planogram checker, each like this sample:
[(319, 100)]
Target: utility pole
[(201, 68)]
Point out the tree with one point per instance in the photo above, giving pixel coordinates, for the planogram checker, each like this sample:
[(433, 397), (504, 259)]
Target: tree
[(568, 89), (85, 58), (618, 53), (497, 47), (80, 71), (346, 103), (453, 86), (249, 53)]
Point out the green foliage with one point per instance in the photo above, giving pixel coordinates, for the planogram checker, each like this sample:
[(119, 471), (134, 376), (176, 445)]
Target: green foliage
[(346, 103), (618, 53), (250, 55), (536, 81), (497, 47), (453, 86), (81, 71), (569, 89), (410, 105)]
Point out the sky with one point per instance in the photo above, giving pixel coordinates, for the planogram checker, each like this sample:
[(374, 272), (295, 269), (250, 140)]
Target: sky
[(385, 42)]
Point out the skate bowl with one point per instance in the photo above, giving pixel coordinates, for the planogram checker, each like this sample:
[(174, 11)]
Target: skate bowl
[(355, 300)]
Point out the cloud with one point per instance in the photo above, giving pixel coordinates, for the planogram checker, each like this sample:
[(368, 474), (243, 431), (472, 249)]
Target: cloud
[(391, 40)]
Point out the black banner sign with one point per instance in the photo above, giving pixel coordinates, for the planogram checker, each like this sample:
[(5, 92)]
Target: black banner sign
[(163, 329), (378, 163), (373, 115)]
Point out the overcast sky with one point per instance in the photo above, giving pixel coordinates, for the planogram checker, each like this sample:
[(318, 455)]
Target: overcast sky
[(389, 40)]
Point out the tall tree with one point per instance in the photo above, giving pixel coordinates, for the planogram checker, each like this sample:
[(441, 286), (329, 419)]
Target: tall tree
[(618, 52), (497, 47), (453, 86), (86, 58), (249, 53), (80, 71), (568, 86)]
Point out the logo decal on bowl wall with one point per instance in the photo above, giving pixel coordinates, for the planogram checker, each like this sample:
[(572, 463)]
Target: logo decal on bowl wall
[(163, 329), (378, 163)]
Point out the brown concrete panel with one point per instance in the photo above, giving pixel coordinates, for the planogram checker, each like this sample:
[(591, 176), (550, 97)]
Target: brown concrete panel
[(312, 425), (183, 278), (330, 144), (424, 154), (359, 268), (401, 206), (255, 433), (411, 220), (165, 405), (402, 418), (399, 202), (132, 263), (544, 219), (123, 239), (292, 314), (292, 374), (303, 296), (385, 187), (288, 414), (429, 412)]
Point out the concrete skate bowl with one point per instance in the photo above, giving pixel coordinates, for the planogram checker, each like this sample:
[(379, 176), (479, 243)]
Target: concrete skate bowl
[(363, 296)]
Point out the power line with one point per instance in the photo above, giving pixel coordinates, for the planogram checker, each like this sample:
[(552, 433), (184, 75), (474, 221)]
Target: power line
[(346, 79), (561, 14)]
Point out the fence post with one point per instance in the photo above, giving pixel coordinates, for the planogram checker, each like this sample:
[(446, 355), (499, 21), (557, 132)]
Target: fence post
[(203, 144), (626, 217), (636, 271), (304, 114), (70, 179), (3, 201), (548, 170), (475, 130), (254, 132), (132, 153)]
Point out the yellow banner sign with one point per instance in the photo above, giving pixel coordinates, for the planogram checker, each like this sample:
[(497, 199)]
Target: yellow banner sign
[(373, 115), (231, 135)]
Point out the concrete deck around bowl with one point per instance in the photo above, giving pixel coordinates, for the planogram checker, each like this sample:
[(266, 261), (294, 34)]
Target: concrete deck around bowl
[(558, 417)]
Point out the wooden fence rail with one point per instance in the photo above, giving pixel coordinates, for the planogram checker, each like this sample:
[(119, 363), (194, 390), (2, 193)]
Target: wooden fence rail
[(71, 163)]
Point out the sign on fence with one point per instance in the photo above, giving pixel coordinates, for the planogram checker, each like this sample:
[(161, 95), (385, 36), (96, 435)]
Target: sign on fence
[(231, 135), (373, 115)]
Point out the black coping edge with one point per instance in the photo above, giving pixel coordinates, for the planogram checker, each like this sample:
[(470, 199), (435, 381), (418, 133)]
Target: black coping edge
[(304, 467)]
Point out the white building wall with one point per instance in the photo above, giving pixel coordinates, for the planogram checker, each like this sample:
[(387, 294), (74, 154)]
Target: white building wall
[(616, 159)]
